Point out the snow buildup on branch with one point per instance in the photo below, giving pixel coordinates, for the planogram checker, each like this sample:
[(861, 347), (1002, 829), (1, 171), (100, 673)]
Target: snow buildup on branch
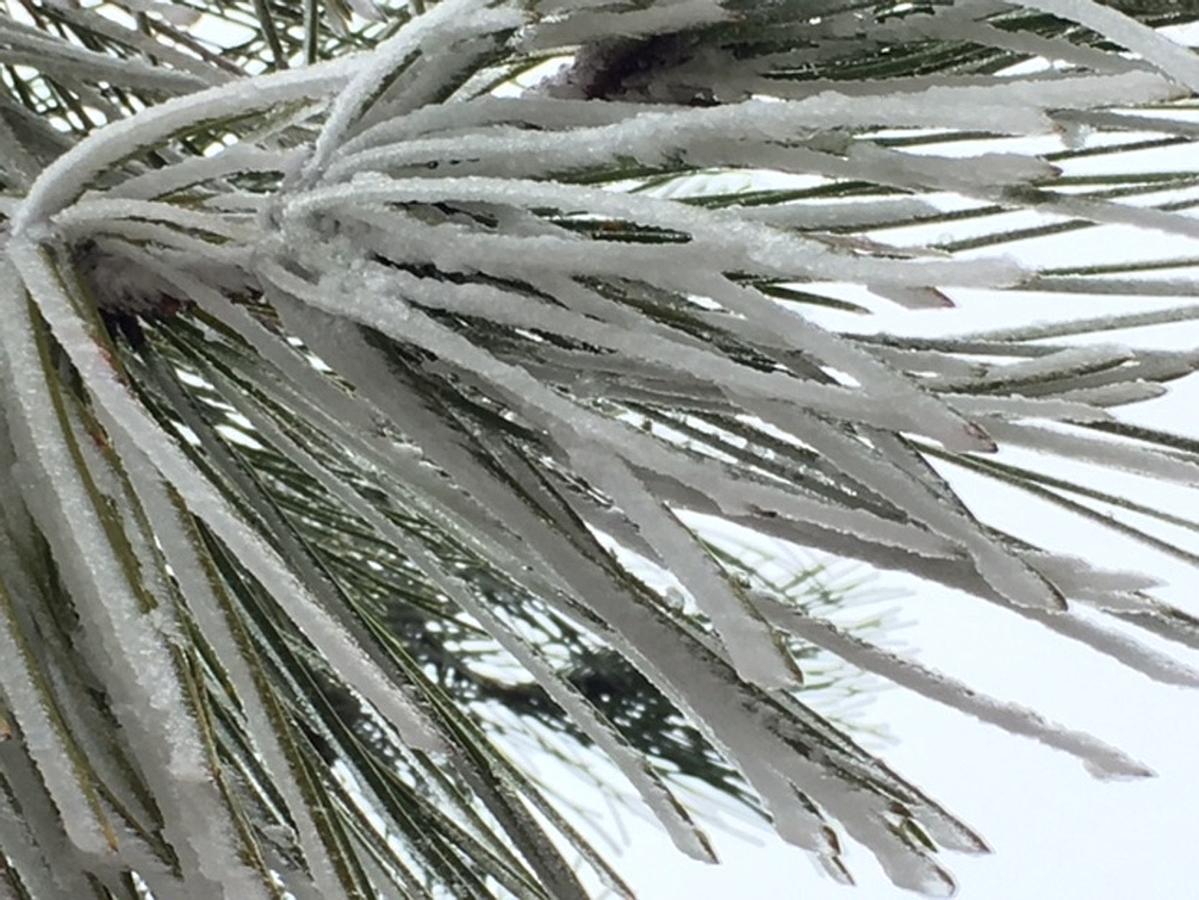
[(551, 296), (773, 134), (119, 411), (175, 535), (122, 639), (450, 22), (1178, 62), (64, 180)]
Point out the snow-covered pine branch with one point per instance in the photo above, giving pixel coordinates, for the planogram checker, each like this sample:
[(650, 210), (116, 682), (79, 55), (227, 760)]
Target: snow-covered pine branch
[(376, 339)]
